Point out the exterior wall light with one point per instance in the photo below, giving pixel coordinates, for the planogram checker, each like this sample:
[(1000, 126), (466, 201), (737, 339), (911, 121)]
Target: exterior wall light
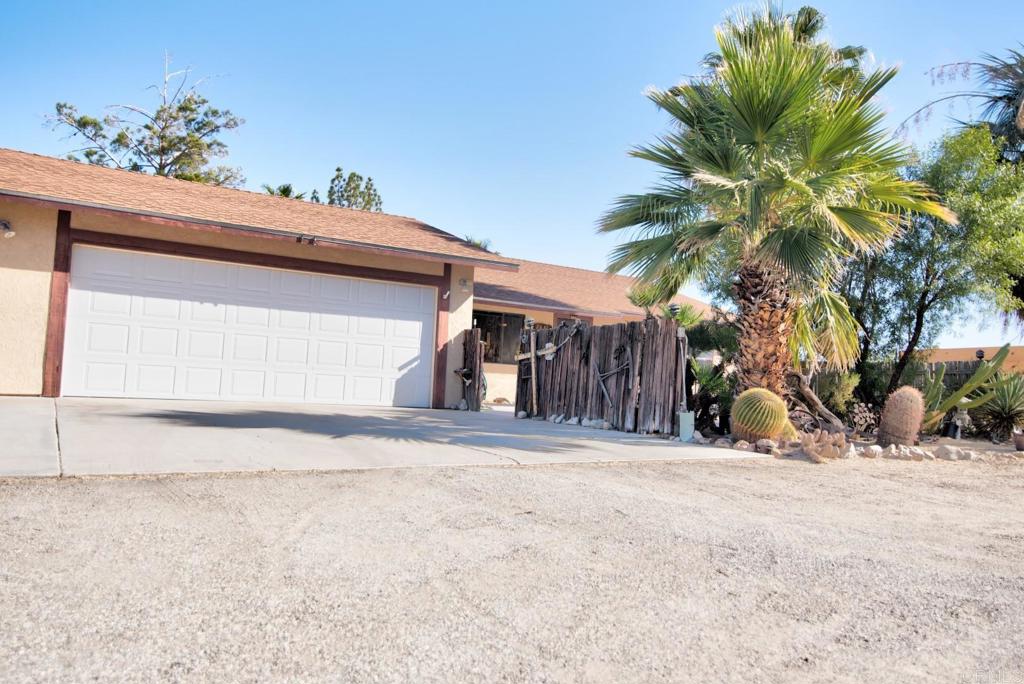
[(5, 226)]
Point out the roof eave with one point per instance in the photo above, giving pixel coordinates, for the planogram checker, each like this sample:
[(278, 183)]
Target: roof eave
[(258, 231), (557, 309)]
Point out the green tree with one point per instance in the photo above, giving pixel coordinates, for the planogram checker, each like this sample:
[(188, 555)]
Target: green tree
[(776, 169), (934, 270), (178, 138), (353, 191), (283, 190)]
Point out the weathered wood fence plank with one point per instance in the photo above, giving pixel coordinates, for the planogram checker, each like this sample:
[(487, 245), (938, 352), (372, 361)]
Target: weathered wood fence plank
[(626, 375)]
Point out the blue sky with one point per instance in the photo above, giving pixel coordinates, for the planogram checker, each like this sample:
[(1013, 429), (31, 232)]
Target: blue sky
[(509, 121)]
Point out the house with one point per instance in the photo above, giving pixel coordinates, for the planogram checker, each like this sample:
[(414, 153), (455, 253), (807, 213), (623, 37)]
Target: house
[(546, 294), (1014, 361), (120, 284)]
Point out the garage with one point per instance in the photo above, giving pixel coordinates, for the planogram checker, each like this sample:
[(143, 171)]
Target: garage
[(151, 325)]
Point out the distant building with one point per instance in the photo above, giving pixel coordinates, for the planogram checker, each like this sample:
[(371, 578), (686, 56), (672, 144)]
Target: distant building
[(1014, 362)]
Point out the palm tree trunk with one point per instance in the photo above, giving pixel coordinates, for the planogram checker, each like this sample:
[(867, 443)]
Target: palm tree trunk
[(765, 324)]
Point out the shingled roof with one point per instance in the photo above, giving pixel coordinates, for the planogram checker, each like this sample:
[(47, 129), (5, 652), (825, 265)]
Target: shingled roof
[(564, 289), (73, 184)]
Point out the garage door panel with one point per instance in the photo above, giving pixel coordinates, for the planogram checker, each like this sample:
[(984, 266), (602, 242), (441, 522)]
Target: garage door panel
[(155, 380), (140, 326)]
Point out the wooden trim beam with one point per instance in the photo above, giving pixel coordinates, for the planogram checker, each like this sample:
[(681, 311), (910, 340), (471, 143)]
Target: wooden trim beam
[(140, 244), (53, 355)]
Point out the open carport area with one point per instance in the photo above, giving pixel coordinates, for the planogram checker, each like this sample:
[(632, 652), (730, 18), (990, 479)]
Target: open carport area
[(738, 571)]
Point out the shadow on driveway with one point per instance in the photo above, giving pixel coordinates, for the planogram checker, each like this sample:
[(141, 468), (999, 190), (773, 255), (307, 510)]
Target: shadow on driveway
[(423, 427)]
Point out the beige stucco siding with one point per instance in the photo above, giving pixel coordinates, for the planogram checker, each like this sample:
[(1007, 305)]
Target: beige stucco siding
[(460, 319), (501, 382), (26, 264)]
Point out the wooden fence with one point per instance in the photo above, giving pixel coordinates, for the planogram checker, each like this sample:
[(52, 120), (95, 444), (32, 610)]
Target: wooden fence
[(628, 375)]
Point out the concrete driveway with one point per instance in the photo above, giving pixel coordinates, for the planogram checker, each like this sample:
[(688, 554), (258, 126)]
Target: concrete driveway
[(73, 436)]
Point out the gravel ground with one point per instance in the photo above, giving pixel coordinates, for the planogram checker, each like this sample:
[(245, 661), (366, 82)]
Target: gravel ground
[(880, 571)]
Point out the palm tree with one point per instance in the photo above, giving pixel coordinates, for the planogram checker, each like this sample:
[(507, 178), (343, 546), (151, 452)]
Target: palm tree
[(283, 190), (775, 171), (1000, 93)]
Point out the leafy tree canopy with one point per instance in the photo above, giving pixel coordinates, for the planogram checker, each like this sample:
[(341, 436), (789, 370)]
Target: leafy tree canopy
[(934, 270), (353, 191), (179, 137)]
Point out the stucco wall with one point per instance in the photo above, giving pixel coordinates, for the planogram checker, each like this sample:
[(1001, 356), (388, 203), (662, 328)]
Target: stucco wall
[(460, 319), (26, 264)]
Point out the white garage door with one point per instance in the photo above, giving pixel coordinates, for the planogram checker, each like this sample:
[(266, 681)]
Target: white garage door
[(147, 325)]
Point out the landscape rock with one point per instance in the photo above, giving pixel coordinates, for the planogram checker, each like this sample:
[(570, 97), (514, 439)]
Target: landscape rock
[(849, 452), (575, 420), (559, 419), (916, 453), (521, 414), (873, 451), (463, 405), (742, 445), (777, 453), (723, 442), (765, 446), (948, 452), (891, 451), (968, 455)]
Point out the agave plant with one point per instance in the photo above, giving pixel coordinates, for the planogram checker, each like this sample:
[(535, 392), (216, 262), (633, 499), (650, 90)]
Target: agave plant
[(977, 391), (778, 168), (1004, 411)]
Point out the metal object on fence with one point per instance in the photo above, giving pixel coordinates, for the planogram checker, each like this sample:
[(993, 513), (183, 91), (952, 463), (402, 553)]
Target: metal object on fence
[(626, 365)]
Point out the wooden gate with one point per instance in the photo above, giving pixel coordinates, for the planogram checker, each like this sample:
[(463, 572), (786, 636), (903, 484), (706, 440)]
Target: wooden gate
[(472, 371), (629, 375)]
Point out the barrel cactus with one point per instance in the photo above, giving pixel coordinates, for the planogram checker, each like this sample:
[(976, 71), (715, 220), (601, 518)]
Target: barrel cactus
[(901, 417), (759, 414)]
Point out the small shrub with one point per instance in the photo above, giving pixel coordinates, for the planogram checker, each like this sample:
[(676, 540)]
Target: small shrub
[(1004, 412)]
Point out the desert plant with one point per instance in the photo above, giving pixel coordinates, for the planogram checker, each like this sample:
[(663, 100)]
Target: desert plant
[(759, 414), (835, 389), (901, 418), (714, 394), (978, 390), (1005, 410), (777, 169), (686, 315)]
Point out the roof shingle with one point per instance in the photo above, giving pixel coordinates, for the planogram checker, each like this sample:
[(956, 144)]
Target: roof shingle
[(67, 182), (562, 288)]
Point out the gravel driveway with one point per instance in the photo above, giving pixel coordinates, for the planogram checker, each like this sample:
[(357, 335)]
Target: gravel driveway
[(703, 571)]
